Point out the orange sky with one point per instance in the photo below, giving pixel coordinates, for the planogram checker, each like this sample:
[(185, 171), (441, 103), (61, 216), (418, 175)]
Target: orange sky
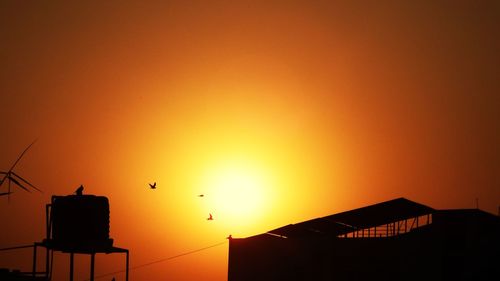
[(309, 107)]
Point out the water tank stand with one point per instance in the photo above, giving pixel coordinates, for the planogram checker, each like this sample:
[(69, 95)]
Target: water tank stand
[(91, 252), (77, 224)]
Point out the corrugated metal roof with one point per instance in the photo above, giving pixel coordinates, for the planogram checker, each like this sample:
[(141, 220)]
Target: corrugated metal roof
[(366, 217)]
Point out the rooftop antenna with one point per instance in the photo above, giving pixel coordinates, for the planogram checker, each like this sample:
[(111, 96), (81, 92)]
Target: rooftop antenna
[(11, 177), (477, 203)]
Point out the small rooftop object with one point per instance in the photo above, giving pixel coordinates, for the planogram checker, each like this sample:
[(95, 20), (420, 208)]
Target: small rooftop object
[(79, 191)]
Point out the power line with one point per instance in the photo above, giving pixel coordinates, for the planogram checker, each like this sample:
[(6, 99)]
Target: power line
[(16, 247), (158, 261)]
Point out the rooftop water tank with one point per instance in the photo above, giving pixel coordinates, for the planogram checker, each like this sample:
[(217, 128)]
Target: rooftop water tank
[(80, 221)]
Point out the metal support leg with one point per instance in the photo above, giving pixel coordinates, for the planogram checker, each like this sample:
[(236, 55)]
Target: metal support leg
[(92, 263), (126, 268), (47, 261), (34, 260), (71, 263)]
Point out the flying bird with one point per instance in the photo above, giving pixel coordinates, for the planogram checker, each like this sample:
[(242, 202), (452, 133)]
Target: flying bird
[(210, 218), (201, 195), (153, 186), (79, 191)]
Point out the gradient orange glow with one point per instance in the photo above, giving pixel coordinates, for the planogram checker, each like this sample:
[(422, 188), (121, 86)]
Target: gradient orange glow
[(276, 111)]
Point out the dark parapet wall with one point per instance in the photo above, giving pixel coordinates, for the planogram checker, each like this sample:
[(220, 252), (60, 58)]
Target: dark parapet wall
[(470, 244), (268, 258)]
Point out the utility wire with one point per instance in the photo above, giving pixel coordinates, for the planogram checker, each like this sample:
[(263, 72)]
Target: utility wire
[(158, 261), (16, 247)]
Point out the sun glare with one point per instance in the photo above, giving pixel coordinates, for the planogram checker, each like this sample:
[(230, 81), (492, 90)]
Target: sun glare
[(238, 194)]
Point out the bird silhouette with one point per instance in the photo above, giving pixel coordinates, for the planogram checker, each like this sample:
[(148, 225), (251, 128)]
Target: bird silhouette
[(210, 218), (153, 186), (79, 191), (201, 195)]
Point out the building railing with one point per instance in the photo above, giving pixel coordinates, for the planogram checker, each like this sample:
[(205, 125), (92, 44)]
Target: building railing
[(390, 229)]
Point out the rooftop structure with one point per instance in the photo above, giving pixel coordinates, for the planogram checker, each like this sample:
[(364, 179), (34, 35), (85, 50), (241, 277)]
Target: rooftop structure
[(76, 224), (393, 240)]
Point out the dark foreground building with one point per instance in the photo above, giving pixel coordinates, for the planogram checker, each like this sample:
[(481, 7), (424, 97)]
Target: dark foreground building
[(393, 240)]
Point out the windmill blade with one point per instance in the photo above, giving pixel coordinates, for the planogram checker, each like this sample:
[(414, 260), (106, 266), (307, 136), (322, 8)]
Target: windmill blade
[(18, 184), (7, 174), (4, 178), (5, 193), (25, 181), (20, 156)]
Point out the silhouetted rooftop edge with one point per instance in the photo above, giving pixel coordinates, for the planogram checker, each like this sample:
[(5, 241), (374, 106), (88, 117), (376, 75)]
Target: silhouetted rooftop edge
[(365, 217)]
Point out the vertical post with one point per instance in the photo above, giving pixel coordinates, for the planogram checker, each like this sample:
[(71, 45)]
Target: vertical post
[(47, 220), (92, 263), (34, 260), (126, 268), (47, 261), (71, 263)]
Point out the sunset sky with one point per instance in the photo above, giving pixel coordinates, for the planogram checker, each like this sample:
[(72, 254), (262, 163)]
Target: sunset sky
[(277, 111)]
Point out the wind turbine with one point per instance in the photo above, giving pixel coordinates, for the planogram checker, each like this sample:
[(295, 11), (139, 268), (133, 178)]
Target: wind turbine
[(11, 177)]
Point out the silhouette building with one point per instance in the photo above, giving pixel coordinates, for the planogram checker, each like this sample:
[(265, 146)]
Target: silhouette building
[(394, 240)]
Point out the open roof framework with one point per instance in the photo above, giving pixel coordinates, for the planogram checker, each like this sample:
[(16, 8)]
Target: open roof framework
[(384, 219)]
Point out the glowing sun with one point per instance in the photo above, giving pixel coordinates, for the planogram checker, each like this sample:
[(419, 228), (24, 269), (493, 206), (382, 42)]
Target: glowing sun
[(238, 194)]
